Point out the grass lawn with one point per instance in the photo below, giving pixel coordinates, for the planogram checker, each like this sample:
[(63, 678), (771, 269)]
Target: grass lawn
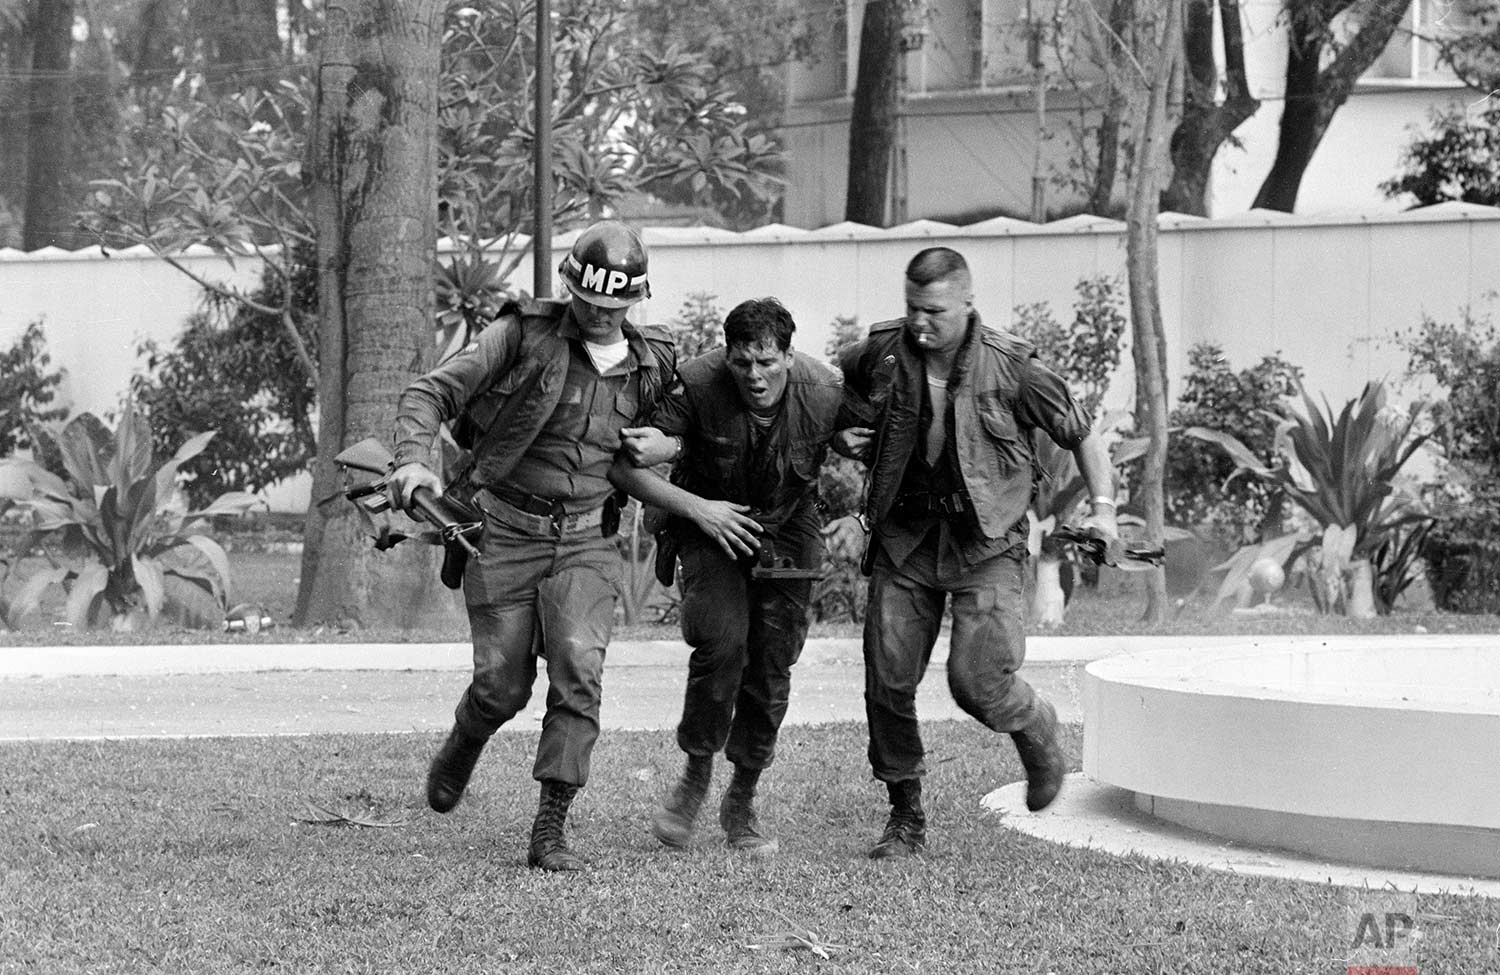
[(190, 857)]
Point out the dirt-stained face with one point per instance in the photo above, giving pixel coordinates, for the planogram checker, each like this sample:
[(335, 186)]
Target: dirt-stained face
[(760, 373)]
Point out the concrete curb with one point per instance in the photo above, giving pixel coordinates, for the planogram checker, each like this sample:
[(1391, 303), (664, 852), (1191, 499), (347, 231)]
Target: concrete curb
[(219, 658)]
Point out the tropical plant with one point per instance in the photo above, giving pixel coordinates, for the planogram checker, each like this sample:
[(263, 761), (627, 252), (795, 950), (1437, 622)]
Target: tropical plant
[(1458, 159), (108, 521), (27, 388), (470, 293), (1341, 472), (1463, 550)]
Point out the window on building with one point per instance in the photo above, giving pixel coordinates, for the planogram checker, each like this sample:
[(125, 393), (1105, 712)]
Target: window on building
[(1414, 52)]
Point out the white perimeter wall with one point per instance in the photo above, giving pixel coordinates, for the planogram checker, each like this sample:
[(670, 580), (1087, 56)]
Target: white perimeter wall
[(1327, 293)]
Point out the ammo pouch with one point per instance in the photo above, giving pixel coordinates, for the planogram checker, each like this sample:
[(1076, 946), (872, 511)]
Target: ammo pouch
[(667, 546)]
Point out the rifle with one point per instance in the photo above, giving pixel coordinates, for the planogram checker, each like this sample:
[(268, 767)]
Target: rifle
[(456, 533), (1100, 552)]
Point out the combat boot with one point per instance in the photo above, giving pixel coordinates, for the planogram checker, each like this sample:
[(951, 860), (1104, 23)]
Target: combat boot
[(906, 830), (451, 768), (549, 848), (672, 824), (1041, 756), (737, 815)]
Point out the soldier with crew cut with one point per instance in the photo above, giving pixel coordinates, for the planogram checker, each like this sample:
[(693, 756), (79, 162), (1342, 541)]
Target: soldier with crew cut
[(951, 407)]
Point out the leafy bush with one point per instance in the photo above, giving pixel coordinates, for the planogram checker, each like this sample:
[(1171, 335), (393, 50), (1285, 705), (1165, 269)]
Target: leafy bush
[(1463, 549), (234, 369), (26, 389), (698, 327), (1459, 159), (1087, 351), (1245, 405), (125, 550)]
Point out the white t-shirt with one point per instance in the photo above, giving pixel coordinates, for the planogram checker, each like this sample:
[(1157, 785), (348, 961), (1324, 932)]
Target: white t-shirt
[(938, 431), (607, 356)]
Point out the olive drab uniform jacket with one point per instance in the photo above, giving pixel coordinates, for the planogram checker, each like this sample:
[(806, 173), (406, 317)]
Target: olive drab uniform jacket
[(999, 393), (501, 390), (707, 410)]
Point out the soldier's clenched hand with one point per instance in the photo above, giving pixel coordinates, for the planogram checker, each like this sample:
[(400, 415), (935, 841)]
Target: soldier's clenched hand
[(648, 446), (402, 483)]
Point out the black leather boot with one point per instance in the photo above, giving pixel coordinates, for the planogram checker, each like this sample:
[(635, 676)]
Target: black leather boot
[(672, 824), (1041, 756), (737, 815), (451, 768), (906, 830), (549, 849)]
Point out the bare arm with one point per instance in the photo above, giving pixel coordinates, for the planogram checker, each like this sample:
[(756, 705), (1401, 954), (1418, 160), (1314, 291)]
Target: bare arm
[(723, 521), (1098, 473)]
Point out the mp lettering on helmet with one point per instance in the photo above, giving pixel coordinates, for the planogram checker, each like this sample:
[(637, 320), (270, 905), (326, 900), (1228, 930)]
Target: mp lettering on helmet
[(606, 280)]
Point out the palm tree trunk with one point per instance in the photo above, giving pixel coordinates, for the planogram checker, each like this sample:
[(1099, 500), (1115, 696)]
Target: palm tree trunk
[(373, 159)]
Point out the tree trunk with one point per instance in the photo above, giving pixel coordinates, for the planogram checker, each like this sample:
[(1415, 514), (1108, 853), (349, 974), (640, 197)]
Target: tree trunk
[(1205, 125), (49, 140), (1101, 195), (15, 104), (153, 62), (872, 120), (1312, 95), (373, 164), (241, 39), (1157, 56)]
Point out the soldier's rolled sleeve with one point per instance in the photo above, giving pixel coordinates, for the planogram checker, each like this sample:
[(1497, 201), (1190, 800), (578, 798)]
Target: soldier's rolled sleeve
[(439, 395), (1044, 401)]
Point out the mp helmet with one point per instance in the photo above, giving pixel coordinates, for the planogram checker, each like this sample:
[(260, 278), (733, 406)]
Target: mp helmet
[(607, 266)]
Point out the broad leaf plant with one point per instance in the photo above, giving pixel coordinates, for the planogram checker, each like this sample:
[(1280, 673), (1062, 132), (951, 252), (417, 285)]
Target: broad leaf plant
[(110, 524)]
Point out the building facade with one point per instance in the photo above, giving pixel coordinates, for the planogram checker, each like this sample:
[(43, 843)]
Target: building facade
[(973, 138)]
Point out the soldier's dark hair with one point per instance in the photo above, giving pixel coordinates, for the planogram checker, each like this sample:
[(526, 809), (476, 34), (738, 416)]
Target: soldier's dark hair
[(935, 264), (752, 322)]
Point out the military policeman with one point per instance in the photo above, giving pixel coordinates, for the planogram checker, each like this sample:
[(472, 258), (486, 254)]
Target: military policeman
[(540, 399)]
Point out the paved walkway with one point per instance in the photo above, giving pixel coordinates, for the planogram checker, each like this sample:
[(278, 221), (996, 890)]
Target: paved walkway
[(266, 689)]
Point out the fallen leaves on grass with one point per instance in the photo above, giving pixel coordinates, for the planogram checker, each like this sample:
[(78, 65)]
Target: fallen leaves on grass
[(319, 816), (796, 937)]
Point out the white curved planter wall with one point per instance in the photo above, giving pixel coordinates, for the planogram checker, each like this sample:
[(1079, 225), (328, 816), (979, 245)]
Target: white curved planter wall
[(1377, 750)]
